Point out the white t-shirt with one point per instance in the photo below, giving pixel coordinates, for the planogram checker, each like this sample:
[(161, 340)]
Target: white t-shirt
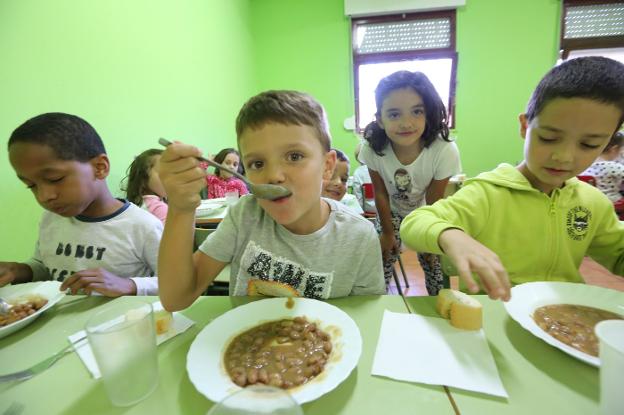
[(352, 203), (407, 184), (340, 259), (124, 243), (609, 177)]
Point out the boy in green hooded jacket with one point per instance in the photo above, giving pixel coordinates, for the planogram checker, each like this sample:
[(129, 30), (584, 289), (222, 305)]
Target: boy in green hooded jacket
[(536, 221)]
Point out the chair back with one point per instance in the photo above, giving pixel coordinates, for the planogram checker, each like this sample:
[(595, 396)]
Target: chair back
[(200, 235), (587, 179)]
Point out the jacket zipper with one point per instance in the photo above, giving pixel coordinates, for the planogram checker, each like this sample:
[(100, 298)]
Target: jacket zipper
[(553, 232)]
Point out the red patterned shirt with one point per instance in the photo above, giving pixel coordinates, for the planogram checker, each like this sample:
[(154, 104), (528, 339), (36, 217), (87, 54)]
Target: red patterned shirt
[(218, 187)]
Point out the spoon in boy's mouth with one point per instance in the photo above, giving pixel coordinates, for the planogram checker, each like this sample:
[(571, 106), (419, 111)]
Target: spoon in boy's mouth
[(261, 191)]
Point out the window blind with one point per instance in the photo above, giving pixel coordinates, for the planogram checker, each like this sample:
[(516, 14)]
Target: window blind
[(594, 20), (434, 33)]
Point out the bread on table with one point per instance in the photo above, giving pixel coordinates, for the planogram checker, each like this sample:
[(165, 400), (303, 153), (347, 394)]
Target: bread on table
[(271, 289), (464, 311), (163, 320)]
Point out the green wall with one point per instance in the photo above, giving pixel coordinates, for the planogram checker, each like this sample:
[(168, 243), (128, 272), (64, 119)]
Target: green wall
[(504, 48), (135, 69), (140, 69), (306, 45)]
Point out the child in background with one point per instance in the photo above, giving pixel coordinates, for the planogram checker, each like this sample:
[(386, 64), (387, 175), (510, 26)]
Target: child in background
[(336, 187), (87, 239), (300, 244), (361, 176), (609, 174), (143, 186), (223, 182), (536, 221), (410, 159)]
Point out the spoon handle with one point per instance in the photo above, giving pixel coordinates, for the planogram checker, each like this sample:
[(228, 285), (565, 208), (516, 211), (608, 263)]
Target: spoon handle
[(164, 142)]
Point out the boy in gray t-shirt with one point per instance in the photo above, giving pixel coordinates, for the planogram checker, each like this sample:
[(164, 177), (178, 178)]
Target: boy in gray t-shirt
[(301, 242)]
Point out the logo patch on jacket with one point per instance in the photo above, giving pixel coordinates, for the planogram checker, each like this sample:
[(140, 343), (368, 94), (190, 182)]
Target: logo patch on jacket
[(577, 222)]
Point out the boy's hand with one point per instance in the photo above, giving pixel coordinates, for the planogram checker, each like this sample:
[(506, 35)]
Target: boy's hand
[(6, 274), (389, 245), (101, 281), (469, 256), (182, 176)]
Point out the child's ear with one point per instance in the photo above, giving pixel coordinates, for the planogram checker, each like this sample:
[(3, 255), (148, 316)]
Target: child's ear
[(524, 124), (330, 165), (101, 166)]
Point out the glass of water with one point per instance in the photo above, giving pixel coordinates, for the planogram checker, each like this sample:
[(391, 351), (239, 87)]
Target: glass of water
[(257, 399), (123, 339)]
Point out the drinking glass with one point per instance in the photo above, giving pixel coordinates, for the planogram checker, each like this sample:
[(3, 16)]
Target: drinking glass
[(123, 339), (611, 336), (257, 399), (231, 197)]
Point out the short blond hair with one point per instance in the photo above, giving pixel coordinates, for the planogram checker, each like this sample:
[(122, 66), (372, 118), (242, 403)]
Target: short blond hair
[(284, 107)]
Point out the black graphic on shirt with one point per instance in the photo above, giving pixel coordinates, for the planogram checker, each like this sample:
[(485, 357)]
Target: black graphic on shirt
[(259, 263), (76, 251), (577, 222)]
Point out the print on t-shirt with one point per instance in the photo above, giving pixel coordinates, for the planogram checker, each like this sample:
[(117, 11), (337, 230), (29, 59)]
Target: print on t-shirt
[(404, 198), (77, 251), (258, 263)]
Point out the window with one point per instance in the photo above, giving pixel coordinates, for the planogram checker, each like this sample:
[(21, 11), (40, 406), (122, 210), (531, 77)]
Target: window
[(592, 27), (415, 42)]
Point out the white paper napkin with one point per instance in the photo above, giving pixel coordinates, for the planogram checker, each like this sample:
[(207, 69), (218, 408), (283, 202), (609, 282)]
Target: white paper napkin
[(179, 325), (429, 350)]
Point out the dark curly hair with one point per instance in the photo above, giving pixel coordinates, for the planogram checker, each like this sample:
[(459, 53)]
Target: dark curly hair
[(135, 184), (71, 137), (435, 112), (592, 77)]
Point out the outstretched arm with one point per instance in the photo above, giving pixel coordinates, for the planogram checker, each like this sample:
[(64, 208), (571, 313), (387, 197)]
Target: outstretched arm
[(182, 275), (388, 242), (14, 273), (470, 256)]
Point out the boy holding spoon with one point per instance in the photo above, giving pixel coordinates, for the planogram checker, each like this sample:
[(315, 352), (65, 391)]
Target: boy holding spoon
[(299, 244)]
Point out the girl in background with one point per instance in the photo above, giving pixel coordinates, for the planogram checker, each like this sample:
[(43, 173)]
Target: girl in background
[(410, 159), (609, 174), (143, 186), (223, 182)]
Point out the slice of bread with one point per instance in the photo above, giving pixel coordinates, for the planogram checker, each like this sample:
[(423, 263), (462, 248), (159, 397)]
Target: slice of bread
[(271, 289), (163, 319), (464, 311)]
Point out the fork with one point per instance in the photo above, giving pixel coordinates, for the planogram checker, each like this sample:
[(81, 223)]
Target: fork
[(41, 366)]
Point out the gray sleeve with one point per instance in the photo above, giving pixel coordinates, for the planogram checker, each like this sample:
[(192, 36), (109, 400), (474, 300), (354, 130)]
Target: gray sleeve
[(370, 277), (221, 244), (39, 270)]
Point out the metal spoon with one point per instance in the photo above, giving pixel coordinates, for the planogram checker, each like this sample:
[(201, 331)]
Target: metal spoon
[(261, 191), (4, 307)]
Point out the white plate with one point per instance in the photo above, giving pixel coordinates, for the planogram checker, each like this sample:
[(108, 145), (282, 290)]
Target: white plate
[(204, 362), (46, 289), (525, 298), (210, 206)]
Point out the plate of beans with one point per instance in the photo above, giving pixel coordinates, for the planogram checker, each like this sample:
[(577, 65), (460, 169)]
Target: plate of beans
[(28, 302), (305, 346)]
